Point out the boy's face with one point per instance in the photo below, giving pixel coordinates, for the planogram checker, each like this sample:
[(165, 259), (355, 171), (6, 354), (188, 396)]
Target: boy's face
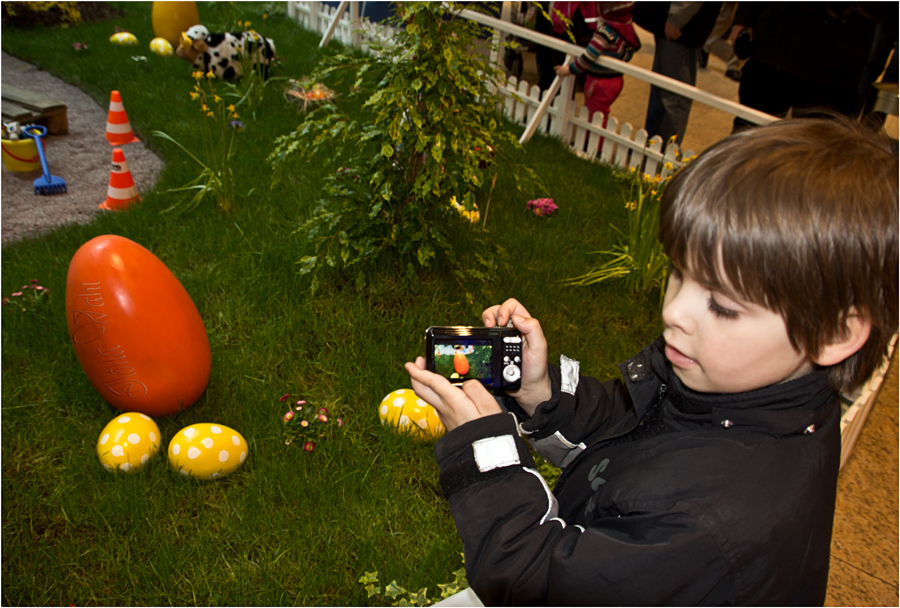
[(718, 343)]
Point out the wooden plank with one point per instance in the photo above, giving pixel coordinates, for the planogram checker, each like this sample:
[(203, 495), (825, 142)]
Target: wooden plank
[(15, 112), (30, 100), (43, 110)]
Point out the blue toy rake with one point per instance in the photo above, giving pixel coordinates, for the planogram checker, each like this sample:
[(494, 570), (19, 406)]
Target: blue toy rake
[(45, 184)]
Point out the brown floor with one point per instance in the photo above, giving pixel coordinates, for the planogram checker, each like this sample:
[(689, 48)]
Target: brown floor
[(864, 562)]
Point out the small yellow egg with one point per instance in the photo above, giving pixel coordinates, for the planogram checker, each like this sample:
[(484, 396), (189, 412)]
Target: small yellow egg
[(405, 412), (128, 442), (161, 47), (207, 451), (124, 39)]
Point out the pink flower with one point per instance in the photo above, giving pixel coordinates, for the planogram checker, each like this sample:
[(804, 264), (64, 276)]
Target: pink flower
[(5, 301), (35, 281), (323, 418), (17, 294), (289, 416), (301, 402), (340, 422), (309, 446), (286, 395), (323, 410), (542, 207), (304, 423)]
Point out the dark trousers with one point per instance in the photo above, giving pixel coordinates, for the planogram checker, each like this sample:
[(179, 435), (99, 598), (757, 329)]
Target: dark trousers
[(667, 112), (768, 89)]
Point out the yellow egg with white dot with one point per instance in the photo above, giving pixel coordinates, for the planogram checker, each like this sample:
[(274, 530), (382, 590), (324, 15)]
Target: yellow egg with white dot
[(407, 413), (124, 39), (207, 451), (128, 442), (161, 47)]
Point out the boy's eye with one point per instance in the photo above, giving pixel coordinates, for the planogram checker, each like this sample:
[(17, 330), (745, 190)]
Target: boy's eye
[(719, 310)]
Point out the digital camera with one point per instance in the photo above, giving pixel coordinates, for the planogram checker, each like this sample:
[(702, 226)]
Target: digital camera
[(491, 355)]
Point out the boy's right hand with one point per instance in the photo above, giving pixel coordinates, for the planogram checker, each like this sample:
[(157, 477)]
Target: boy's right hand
[(535, 387)]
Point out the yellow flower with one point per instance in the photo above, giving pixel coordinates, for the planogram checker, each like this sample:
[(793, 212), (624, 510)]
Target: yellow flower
[(194, 96), (197, 75), (653, 193), (210, 74), (210, 114), (247, 24), (204, 108), (219, 100), (668, 166), (231, 108)]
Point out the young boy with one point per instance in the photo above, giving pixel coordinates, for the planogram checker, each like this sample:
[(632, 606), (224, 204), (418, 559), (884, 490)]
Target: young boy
[(707, 475)]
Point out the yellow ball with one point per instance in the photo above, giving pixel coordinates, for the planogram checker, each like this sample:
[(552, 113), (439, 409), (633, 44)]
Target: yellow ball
[(161, 47), (124, 39), (128, 442), (207, 451), (405, 412)]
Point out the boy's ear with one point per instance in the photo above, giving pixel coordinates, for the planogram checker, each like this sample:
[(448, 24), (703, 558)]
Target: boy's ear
[(856, 332)]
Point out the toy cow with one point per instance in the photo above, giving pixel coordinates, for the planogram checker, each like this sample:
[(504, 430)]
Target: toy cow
[(222, 53)]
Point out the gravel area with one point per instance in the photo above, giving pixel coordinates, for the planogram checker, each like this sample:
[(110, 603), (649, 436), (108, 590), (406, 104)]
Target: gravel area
[(82, 158)]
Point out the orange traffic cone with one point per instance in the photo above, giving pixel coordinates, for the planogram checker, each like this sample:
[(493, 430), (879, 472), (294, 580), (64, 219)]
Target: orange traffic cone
[(118, 129), (121, 190)]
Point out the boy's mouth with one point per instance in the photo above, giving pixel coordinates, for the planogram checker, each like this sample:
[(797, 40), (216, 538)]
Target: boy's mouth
[(678, 358)]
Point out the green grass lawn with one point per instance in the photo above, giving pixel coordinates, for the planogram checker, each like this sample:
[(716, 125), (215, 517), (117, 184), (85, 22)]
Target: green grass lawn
[(288, 527)]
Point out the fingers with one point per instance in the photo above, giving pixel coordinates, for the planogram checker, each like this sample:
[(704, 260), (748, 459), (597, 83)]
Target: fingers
[(499, 315), (483, 400)]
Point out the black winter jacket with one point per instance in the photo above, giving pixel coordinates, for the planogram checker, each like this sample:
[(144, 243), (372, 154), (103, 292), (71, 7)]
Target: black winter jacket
[(667, 496)]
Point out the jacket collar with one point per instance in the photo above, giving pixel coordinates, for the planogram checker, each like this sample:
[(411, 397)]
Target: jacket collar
[(799, 406)]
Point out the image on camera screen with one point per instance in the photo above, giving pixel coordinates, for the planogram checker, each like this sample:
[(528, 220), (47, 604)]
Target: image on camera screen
[(464, 359)]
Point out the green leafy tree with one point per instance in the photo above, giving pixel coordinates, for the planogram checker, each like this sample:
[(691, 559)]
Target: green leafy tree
[(423, 140)]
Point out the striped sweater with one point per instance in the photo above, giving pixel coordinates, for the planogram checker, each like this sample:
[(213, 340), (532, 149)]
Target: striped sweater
[(611, 39)]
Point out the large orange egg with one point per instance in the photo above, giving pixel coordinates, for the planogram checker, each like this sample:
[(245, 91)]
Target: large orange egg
[(136, 331), (460, 364)]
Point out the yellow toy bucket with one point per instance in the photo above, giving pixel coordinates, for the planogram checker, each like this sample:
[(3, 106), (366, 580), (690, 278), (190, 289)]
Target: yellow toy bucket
[(20, 155)]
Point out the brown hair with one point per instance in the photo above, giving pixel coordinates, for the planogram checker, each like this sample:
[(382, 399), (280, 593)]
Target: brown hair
[(799, 216)]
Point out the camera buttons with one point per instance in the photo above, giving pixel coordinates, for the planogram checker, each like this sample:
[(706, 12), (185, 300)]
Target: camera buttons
[(511, 373), (514, 340)]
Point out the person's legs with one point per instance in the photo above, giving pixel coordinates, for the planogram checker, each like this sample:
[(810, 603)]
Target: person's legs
[(667, 112), (599, 95), (764, 88)]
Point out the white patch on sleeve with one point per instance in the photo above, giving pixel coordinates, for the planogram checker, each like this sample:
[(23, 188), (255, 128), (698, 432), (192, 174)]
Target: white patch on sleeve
[(569, 370), (495, 452)]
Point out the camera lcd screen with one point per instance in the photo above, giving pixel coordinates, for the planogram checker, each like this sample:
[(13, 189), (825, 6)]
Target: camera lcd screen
[(463, 359)]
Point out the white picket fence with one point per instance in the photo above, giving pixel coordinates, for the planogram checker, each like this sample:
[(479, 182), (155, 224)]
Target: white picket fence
[(621, 146)]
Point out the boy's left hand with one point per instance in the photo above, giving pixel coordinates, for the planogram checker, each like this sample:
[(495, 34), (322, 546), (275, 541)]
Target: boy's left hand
[(454, 406), (562, 70)]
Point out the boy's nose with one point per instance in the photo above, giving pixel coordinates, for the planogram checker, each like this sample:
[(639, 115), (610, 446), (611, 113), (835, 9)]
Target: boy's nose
[(676, 309)]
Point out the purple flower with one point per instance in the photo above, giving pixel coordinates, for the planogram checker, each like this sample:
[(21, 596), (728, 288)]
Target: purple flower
[(236, 124)]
